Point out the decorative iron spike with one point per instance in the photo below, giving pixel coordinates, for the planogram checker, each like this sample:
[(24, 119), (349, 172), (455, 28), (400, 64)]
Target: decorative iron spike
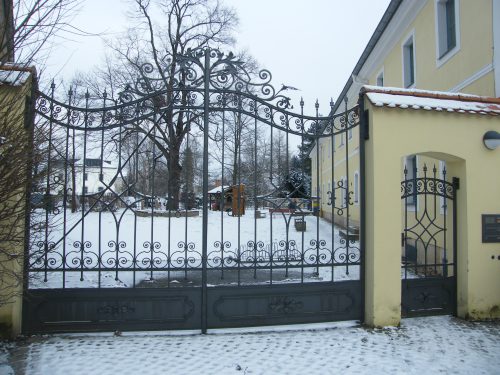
[(87, 95), (405, 171), (53, 85), (434, 169), (332, 103), (104, 94), (301, 101), (316, 105), (425, 168)]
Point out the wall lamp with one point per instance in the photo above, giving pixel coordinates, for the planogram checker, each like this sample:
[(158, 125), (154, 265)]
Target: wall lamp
[(491, 139)]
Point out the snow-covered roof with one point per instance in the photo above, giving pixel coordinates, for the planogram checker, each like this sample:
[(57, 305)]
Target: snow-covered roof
[(218, 189), (15, 75), (393, 97)]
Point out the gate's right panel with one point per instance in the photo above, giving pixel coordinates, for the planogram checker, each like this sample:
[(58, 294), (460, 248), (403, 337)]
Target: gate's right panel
[(428, 239)]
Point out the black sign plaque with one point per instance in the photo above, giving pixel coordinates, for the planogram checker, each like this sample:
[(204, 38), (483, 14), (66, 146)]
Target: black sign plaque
[(491, 228)]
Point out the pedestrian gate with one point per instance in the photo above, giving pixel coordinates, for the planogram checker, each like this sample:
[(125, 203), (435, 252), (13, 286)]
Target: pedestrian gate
[(429, 266)]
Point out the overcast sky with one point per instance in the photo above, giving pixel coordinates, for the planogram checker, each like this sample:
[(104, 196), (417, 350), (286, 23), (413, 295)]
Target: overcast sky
[(309, 44)]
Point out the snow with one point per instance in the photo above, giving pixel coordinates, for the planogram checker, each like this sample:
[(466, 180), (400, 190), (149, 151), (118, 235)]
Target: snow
[(389, 89), (405, 101), (135, 234), (218, 189), (14, 77), (421, 345)]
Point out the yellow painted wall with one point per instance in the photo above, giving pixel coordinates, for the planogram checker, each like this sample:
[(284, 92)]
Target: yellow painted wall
[(12, 110), (457, 139), (472, 56), (476, 51)]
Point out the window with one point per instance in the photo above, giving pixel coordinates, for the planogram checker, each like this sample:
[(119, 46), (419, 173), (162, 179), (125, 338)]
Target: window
[(446, 26), (380, 79), (409, 62), (356, 187), (411, 175), (93, 162), (343, 193)]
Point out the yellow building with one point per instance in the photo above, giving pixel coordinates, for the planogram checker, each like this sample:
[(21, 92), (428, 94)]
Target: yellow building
[(441, 45), (412, 83)]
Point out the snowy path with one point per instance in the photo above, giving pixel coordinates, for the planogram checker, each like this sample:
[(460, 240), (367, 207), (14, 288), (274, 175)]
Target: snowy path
[(421, 346)]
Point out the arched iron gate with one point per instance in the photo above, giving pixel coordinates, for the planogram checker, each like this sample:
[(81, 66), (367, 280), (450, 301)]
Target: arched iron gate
[(429, 241), (131, 231)]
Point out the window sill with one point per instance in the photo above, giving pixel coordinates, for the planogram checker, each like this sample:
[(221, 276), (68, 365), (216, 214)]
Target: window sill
[(447, 56)]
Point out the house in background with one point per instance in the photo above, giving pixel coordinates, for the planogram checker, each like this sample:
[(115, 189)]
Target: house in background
[(88, 173), (440, 45), (83, 175)]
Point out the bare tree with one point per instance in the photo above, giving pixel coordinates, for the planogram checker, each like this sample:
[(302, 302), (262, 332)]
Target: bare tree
[(26, 28), (183, 25)]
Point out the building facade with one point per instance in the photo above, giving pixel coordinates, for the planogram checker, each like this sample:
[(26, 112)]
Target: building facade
[(440, 45)]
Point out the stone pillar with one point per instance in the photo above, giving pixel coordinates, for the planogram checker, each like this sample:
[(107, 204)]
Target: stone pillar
[(383, 224)]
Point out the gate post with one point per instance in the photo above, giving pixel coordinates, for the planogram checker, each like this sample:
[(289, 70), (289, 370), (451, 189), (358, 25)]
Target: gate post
[(381, 218), (16, 113)]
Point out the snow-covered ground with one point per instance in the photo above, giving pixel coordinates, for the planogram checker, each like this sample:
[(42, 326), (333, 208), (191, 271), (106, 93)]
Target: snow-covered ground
[(153, 242), (436, 345)]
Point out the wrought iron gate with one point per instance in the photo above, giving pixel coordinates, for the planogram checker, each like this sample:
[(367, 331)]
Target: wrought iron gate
[(429, 267), (125, 239)]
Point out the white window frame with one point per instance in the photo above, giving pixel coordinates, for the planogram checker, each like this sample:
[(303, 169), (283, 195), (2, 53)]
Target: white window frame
[(440, 25), (410, 39), (380, 75), (356, 188), (411, 207), (343, 192)]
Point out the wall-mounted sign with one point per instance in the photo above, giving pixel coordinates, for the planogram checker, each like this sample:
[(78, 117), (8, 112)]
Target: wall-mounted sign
[(491, 228)]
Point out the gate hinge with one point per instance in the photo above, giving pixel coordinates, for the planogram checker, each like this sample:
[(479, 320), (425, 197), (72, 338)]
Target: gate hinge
[(402, 239), (456, 183)]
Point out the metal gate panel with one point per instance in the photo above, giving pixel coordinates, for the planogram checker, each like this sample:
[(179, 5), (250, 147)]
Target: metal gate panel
[(87, 310), (429, 241), (423, 297), (123, 247), (284, 304)]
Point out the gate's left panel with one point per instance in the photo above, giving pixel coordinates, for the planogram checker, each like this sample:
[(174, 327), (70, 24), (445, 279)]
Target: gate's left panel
[(87, 310), (109, 247)]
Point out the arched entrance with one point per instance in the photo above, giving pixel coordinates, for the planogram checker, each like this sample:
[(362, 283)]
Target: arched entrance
[(428, 240)]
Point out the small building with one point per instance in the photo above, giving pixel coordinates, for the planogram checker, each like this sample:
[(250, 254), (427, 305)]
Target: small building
[(225, 197)]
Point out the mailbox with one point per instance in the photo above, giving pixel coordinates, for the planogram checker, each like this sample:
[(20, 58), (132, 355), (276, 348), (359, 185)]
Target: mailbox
[(491, 228)]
